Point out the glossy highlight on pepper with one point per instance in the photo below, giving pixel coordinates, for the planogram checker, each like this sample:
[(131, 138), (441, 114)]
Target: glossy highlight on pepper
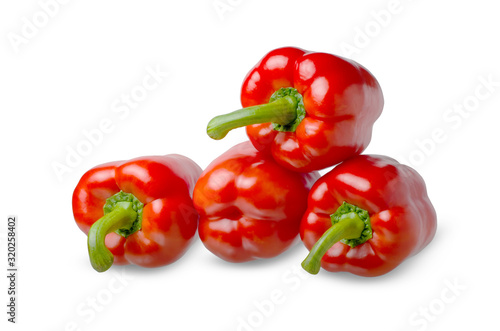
[(249, 206), (138, 211), (309, 110)]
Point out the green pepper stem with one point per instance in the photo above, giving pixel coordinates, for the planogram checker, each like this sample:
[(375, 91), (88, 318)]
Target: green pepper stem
[(281, 111), (350, 226), (122, 216)]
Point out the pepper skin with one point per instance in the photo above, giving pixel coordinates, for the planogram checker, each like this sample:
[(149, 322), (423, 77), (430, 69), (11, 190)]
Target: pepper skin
[(138, 211), (309, 110), (249, 206), (380, 210)]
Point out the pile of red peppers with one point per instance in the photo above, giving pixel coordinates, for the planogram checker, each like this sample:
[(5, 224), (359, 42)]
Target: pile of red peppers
[(303, 112)]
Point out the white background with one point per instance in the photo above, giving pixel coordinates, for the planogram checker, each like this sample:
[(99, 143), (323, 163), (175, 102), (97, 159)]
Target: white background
[(65, 68)]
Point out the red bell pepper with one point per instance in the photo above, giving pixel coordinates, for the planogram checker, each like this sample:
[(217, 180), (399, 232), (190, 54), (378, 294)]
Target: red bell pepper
[(138, 211), (366, 216), (249, 206), (309, 110)]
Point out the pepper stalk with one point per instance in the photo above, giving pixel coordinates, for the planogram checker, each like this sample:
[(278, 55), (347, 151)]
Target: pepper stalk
[(123, 215), (285, 110), (350, 225)]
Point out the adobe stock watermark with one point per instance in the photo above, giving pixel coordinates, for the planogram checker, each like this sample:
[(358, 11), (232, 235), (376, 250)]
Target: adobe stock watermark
[(452, 120), (292, 279), (32, 25), (430, 312), (371, 29), (223, 7), (121, 107), (96, 303)]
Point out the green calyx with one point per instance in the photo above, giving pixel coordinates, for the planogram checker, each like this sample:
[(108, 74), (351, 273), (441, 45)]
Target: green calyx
[(350, 225), (299, 108), (285, 110), (343, 212), (136, 205)]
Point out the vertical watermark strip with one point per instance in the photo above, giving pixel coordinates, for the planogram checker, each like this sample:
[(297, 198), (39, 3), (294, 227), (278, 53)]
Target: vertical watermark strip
[(12, 269)]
